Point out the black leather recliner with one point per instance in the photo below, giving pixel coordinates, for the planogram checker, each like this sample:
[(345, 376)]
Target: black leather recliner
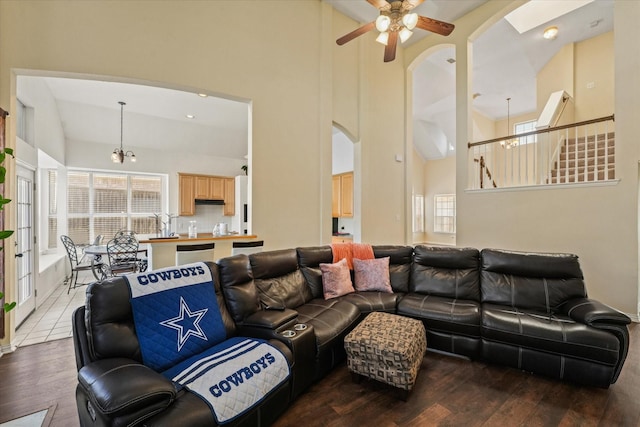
[(116, 389), (536, 317)]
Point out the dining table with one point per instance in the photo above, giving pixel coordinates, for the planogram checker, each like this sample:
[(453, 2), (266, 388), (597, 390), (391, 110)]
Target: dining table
[(97, 252)]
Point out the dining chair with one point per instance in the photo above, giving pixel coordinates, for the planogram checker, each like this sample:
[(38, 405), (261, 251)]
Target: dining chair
[(77, 264), (186, 254), (123, 255), (143, 262), (247, 248)]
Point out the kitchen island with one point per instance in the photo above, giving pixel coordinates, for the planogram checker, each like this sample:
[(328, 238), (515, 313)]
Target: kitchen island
[(162, 251)]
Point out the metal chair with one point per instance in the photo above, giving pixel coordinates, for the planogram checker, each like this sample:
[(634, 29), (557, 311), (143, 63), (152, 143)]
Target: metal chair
[(186, 254), (143, 263), (76, 263), (123, 255), (247, 248)]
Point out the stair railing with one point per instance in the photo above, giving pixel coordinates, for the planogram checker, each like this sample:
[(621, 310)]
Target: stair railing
[(559, 155), (484, 170)]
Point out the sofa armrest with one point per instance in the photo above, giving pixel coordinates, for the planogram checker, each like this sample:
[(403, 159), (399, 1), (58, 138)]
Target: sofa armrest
[(120, 387), (270, 319), (594, 313)]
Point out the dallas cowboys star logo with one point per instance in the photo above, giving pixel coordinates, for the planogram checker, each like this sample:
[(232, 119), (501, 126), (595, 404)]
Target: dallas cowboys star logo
[(187, 323)]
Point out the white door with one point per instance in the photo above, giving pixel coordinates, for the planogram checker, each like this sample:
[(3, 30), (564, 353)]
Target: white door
[(24, 245)]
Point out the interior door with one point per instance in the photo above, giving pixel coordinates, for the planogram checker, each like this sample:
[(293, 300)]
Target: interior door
[(24, 245)]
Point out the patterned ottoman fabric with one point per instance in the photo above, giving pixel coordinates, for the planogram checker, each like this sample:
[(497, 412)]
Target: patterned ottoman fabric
[(387, 348)]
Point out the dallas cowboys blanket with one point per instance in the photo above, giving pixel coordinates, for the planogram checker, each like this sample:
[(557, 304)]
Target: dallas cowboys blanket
[(180, 330), (234, 376), (175, 312)]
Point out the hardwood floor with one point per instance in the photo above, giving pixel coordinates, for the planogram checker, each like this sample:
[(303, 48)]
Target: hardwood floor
[(449, 392)]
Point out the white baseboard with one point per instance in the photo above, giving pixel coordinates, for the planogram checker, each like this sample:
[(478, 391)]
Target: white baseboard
[(7, 348)]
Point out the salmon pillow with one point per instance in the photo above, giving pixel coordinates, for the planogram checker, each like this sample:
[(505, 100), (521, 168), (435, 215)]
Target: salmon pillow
[(336, 279), (372, 275)]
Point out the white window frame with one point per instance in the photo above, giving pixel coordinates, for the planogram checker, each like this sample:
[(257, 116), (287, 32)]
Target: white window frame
[(418, 213), (524, 127), (444, 213), (128, 214)]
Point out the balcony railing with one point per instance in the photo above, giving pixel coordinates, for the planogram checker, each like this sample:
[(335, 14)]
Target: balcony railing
[(573, 153)]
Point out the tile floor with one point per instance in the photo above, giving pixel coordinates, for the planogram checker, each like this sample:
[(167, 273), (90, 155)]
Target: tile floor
[(52, 320)]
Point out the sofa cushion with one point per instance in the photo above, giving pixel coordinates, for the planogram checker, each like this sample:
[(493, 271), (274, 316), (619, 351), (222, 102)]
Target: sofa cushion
[(400, 258), (372, 275), (552, 333), (336, 279), (331, 320), (279, 281), (368, 302), (239, 290), (446, 272), (443, 314), (309, 259), (534, 281)]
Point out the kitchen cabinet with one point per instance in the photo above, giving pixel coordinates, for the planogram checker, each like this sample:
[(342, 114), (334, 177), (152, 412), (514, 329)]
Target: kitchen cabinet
[(205, 187), (209, 187), (342, 200), (342, 239), (229, 197), (186, 196)]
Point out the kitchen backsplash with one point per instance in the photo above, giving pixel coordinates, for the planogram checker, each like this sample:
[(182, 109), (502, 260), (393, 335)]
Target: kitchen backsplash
[(206, 217)]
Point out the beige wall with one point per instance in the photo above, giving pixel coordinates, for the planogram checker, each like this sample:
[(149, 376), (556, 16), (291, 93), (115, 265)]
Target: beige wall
[(594, 66), (599, 223)]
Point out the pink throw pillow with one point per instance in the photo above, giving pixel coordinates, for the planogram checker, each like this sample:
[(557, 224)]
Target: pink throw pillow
[(372, 274), (336, 279)]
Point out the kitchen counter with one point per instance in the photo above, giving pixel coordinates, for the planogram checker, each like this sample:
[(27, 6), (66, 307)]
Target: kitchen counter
[(202, 238), (162, 252)]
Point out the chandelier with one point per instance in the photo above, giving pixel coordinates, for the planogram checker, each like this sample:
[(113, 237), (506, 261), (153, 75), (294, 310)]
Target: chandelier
[(119, 154), (395, 19), (508, 143)]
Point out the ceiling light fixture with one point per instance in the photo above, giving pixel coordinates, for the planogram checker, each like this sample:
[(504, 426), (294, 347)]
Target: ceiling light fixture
[(395, 20), (119, 154), (190, 116), (550, 33), (202, 95), (508, 143)]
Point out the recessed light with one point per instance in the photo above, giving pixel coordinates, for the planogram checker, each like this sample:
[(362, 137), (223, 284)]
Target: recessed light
[(202, 95), (190, 116), (550, 33)]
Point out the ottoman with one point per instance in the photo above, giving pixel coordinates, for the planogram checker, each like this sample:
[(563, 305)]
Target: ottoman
[(387, 348)]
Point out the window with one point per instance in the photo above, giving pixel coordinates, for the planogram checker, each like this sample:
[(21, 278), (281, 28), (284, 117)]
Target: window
[(52, 203), (444, 213), (104, 203), (24, 123), (418, 213), (525, 127)]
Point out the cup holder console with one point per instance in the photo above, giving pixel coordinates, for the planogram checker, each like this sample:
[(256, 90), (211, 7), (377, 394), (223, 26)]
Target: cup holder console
[(288, 333), (300, 327)]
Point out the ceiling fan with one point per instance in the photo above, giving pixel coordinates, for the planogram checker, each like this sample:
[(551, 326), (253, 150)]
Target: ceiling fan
[(396, 21)]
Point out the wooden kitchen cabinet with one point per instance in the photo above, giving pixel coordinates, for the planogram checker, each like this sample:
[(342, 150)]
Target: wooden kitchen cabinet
[(209, 187), (186, 196), (205, 187), (229, 197), (342, 200)]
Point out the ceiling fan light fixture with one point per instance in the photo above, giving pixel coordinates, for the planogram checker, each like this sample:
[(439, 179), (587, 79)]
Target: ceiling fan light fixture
[(404, 34), (382, 23), (410, 20), (383, 38)]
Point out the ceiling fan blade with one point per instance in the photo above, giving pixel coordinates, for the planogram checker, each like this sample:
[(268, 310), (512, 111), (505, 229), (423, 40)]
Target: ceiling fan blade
[(390, 49), (410, 4), (435, 26), (380, 4), (355, 33)]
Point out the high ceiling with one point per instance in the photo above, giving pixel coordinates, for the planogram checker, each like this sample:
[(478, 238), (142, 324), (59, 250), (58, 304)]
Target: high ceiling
[(505, 65)]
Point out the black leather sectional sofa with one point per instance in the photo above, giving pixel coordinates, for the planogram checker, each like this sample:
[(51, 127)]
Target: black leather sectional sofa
[(525, 310)]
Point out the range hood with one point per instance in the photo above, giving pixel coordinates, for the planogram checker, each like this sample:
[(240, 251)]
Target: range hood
[(209, 202)]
